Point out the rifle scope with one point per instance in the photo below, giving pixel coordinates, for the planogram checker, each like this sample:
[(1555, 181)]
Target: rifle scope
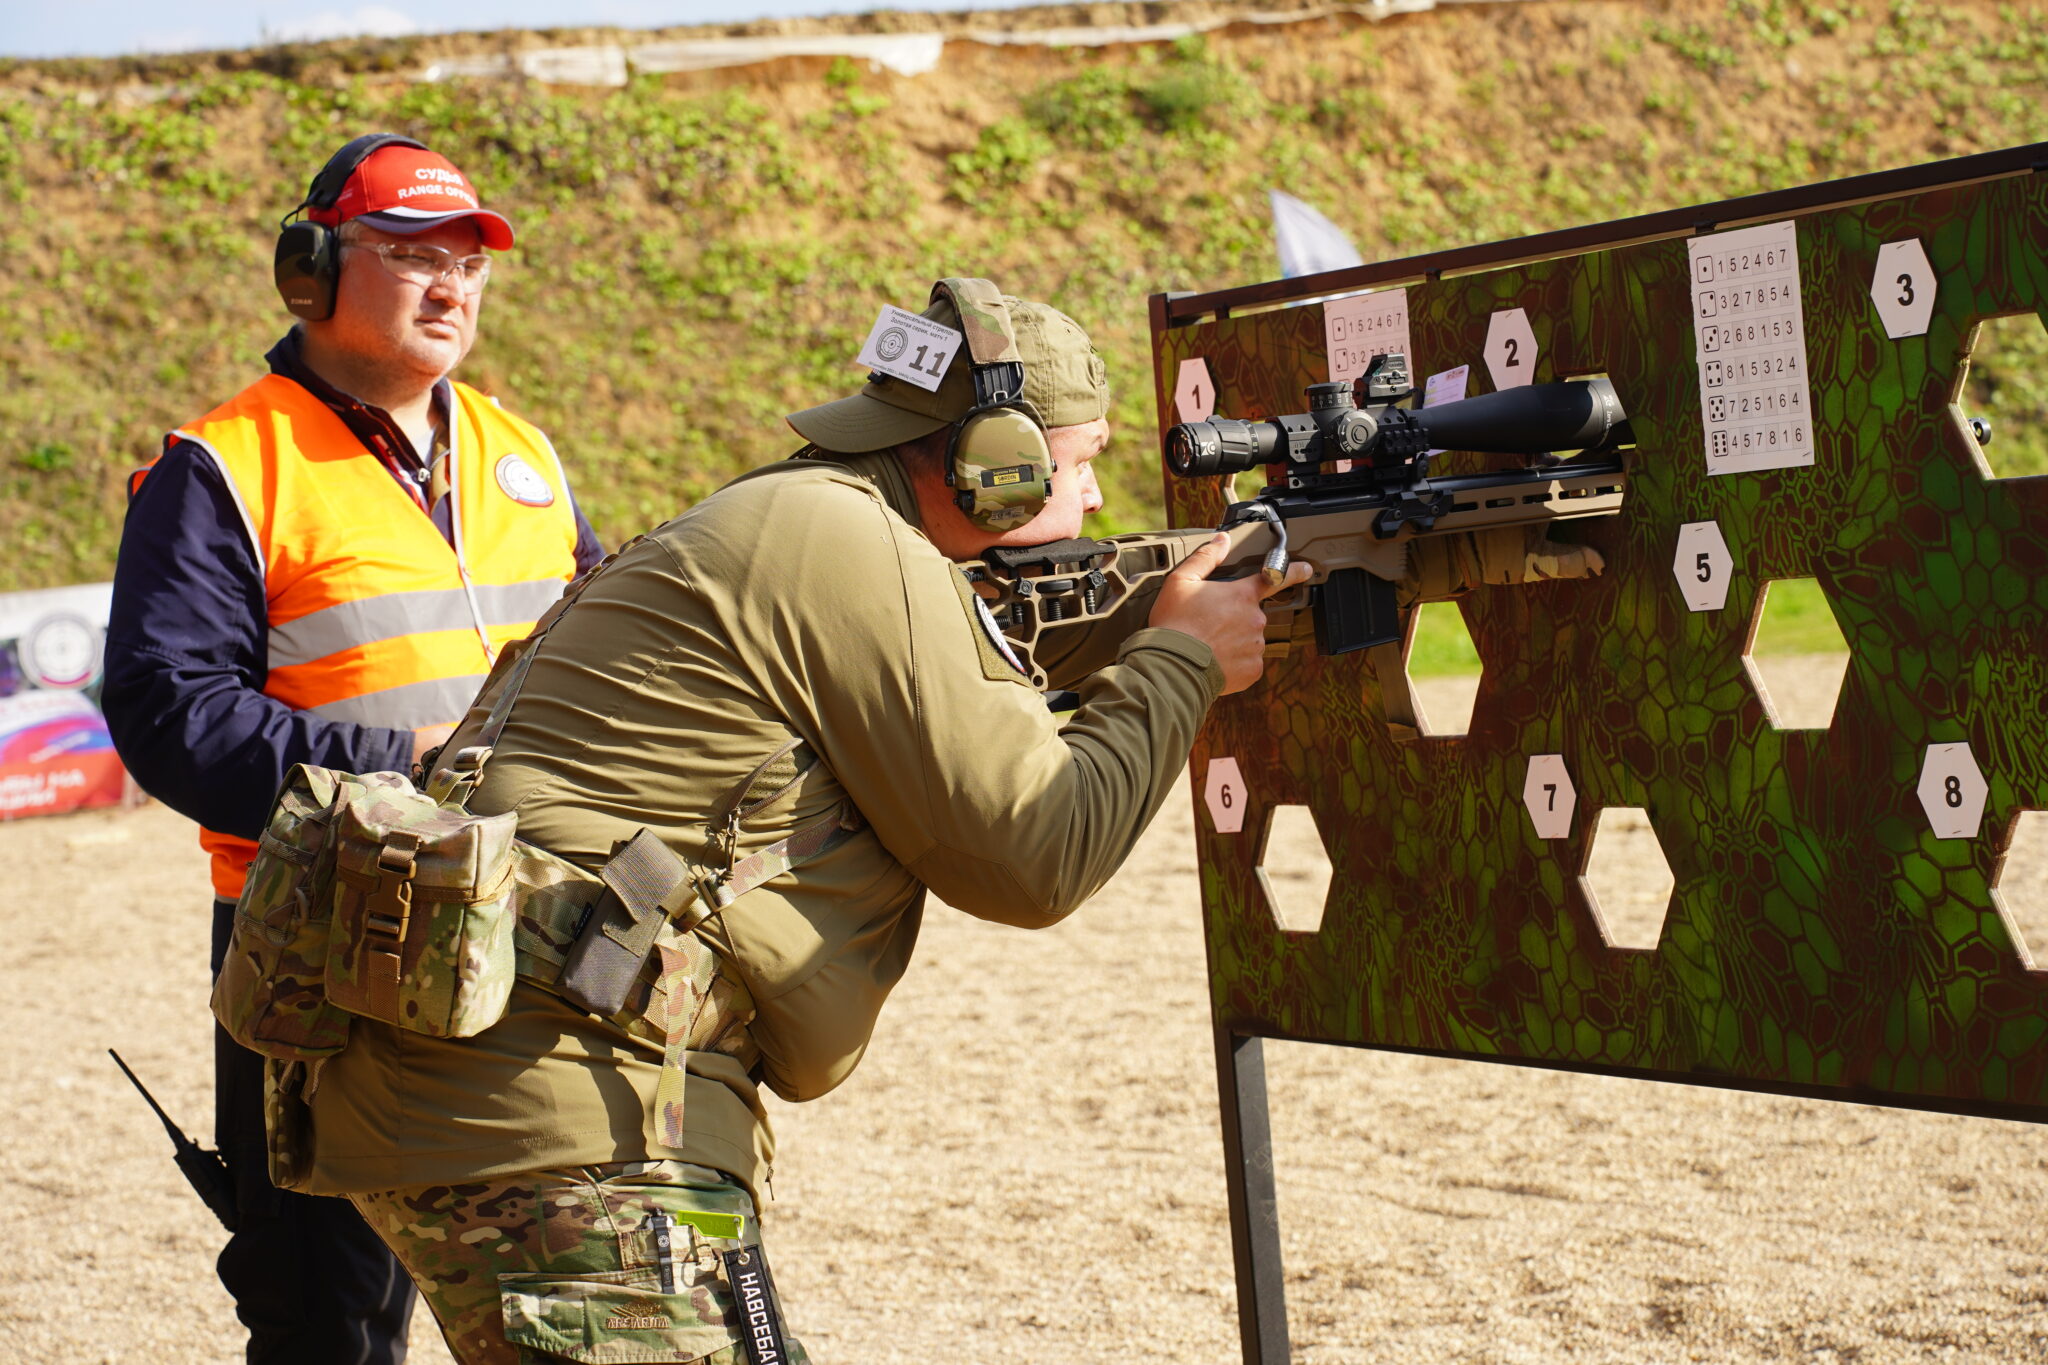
[(1577, 414)]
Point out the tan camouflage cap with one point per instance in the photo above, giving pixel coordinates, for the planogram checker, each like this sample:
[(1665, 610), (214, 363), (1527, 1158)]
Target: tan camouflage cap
[(1064, 382)]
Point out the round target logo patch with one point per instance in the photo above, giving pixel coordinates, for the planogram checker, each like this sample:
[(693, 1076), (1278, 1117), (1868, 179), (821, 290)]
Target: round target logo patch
[(523, 484), (61, 651)]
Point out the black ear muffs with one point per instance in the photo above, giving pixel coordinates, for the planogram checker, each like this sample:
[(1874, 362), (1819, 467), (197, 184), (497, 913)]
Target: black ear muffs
[(307, 265)]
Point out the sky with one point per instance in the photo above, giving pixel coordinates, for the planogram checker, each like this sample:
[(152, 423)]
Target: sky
[(109, 28)]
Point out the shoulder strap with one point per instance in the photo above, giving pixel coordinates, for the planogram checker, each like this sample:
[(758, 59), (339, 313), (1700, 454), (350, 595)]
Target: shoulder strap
[(452, 782)]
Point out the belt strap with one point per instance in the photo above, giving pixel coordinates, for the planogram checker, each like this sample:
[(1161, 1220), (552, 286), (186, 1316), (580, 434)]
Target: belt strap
[(779, 857), (688, 969)]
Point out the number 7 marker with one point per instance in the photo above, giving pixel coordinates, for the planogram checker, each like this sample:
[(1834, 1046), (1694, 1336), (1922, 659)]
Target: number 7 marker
[(1550, 796)]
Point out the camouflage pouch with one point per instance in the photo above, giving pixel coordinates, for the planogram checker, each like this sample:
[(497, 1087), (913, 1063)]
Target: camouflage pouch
[(288, 1122), (423, 910), (271, 993)]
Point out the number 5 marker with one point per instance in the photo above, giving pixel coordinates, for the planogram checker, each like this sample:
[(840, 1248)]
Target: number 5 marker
[(1703, 565)]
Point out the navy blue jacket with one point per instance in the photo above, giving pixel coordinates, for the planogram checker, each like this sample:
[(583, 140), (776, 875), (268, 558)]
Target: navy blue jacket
[(187, 637)]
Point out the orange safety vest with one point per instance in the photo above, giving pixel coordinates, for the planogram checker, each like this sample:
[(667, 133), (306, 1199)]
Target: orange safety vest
[(374, 617)]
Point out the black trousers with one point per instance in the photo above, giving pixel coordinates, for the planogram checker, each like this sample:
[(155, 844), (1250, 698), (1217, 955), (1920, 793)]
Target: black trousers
[(310, 1281)]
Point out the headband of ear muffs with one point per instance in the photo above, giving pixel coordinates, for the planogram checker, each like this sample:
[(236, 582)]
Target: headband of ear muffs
[(307, 265), (997, 461)]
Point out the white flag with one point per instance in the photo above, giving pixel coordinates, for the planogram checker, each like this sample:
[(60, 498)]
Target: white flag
[(1308, 242)]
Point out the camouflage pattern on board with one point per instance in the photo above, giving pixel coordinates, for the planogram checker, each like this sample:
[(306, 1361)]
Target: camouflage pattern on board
[(564, 1265), (1821, 938)]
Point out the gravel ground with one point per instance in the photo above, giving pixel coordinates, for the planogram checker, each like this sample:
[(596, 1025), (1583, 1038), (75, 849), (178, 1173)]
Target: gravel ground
[(1027, 1169)]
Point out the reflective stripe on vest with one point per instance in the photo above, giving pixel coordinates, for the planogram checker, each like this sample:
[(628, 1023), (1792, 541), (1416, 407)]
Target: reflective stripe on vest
[(374, 617)]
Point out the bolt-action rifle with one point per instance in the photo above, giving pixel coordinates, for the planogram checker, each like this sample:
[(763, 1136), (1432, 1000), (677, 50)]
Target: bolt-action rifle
[(1352, 490)]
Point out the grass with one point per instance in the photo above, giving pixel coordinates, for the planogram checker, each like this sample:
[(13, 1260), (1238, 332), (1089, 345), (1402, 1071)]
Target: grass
[(700, 255), (1796, 619), (1442, 647)]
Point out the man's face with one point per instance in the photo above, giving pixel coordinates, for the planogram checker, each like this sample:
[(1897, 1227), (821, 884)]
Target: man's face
[(385, 321)]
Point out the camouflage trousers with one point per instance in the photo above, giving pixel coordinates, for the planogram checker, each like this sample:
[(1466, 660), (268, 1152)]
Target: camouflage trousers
[(566, 1264)]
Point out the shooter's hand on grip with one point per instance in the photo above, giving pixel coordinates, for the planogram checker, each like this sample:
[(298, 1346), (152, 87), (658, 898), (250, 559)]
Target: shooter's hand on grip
[(1223, 615)]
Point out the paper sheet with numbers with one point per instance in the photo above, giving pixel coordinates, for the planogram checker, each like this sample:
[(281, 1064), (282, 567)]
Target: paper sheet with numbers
[(1357, 328), (1750, 335)]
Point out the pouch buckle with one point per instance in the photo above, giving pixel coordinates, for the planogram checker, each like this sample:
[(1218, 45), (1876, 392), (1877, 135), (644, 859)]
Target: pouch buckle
[(389, 912), (400, 853)]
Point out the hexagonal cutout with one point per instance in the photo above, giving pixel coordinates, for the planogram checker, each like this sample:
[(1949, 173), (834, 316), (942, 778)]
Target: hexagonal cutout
[(1796, 655), (2019, 888), (2004, 382), (1442, 666), (1294, 869), (1627, 880)]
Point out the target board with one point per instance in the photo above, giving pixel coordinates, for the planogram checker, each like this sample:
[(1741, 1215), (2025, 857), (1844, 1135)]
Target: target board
[(1791, 364)]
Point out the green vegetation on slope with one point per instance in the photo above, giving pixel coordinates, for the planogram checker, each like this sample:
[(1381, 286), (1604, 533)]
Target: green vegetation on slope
[(700, 255)]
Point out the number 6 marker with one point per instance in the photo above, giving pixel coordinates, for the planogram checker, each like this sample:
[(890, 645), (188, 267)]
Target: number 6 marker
[(1223, 791)]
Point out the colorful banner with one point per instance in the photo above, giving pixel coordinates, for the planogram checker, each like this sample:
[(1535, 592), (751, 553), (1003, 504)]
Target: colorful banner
[(55, 753)]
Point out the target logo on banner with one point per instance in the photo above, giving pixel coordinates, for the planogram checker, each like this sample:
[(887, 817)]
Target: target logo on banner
[(61, 652)]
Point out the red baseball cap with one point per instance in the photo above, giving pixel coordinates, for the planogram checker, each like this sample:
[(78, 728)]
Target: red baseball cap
[(410, 189)]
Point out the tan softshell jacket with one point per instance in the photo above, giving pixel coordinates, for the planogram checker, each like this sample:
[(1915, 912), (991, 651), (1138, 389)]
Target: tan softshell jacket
[(800, 602)]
